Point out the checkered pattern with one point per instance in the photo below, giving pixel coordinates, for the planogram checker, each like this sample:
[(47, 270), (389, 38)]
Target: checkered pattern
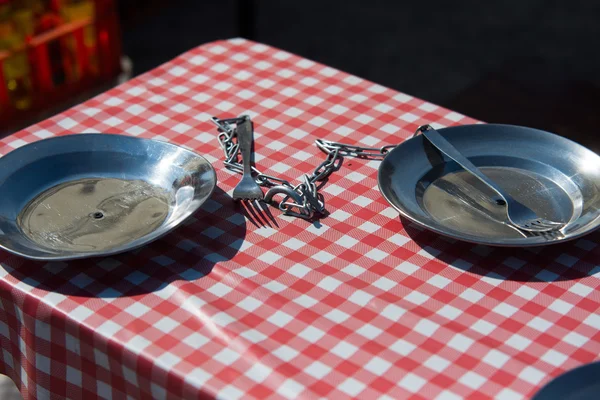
[(358, 304)]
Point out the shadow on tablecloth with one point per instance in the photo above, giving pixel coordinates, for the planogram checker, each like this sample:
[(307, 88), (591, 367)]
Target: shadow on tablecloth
[(559, 262), (215, 233)]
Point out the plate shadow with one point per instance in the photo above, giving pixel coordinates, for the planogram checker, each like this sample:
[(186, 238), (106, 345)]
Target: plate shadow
[(565, 261), (214, 233)]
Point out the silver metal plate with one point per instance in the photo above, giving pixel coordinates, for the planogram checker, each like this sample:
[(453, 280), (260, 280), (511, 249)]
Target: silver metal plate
[(96, 194), (555, 177)]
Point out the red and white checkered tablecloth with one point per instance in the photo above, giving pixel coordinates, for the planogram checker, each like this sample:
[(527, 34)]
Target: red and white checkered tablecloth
[(358, 304)]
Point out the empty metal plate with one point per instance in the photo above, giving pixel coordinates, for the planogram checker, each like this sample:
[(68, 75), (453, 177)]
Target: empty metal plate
[(90, 195), (555, 177)]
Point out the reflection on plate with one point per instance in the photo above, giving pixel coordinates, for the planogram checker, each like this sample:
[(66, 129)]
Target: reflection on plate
[(555, 177)]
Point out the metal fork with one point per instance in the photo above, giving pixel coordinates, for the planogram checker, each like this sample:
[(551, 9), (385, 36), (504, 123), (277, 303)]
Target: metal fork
[(519, 215), (247, 188)]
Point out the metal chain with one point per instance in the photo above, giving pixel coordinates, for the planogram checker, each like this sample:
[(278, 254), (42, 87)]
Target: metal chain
[(302, 200)]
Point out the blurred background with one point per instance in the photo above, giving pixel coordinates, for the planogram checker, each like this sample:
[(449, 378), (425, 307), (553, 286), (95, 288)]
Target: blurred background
[(525, 62)]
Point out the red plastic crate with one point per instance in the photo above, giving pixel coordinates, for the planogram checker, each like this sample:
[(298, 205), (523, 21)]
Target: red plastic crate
[(70, 36)]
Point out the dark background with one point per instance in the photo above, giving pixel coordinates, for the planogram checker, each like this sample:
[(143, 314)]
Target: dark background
[(528, 62)]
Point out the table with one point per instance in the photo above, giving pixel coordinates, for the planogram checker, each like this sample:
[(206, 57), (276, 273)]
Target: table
[(358, 304)]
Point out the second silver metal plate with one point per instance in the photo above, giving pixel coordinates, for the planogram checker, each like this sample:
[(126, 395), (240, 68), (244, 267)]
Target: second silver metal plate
[(555, 177)]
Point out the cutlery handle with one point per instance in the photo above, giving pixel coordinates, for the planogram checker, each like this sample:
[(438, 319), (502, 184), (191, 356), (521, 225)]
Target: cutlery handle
[(244, 134), (445, 147)]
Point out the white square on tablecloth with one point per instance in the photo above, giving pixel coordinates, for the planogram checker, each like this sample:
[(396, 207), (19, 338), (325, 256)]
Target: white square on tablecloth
[(223, 319), (269, 257), (471, 295), (575, 339), (196, 340), (460, 342), (130, 376), (101, 359), (254, 336), (344, 349), (346, 241), (412, 382), (369, 331), (561, 306), (219, 289), (448, 395), (496, 358), (337, 316), (402, 347), (275, 286), (526, 292), (305, 301), (417, 298), (73, 376), (393, 312), (181, 128), (518, 342), (294, 244), (311, 334), (539, 323), (439, 281), (505, 309), (280, 319), (454, 116), (197, 377), (80, 313), (109, 328), (472, 380), (90, 111), (354, 270), (449, 312), (249, 303), (286, 353), (67, 123), (42, 363), (384, 283), (426, 327), (178, 71), (360, 297), (227, 356), (508, 394), (290, 389), (377, 366), (328, 283), (103, 390), (166, 324), (158, 392), (157, 119), (333, 89), (554, 357), (437, 363), (259, 372), (483, 327), (352, 387), (317, 370), (408, 117), (299, 270), (532, 375)]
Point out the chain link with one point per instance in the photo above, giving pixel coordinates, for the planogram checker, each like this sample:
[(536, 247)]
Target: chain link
[(302, 200)]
